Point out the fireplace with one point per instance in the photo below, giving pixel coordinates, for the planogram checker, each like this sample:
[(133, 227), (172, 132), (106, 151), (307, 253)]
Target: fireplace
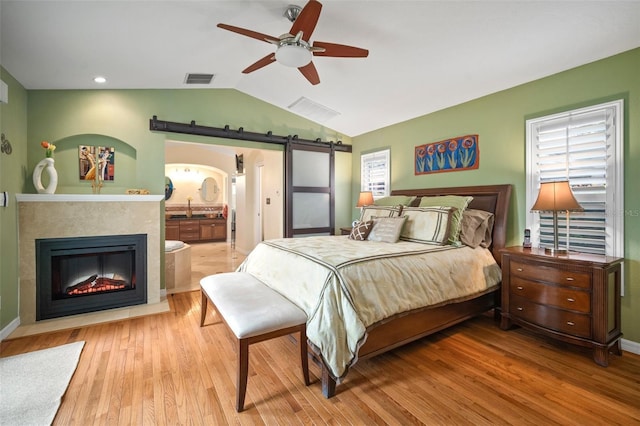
[(87, 274)]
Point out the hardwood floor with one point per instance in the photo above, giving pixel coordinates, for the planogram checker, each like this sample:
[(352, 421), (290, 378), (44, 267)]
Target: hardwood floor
[(165, 369)]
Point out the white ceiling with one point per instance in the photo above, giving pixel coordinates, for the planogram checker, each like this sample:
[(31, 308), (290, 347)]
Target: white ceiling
[(423, 55)]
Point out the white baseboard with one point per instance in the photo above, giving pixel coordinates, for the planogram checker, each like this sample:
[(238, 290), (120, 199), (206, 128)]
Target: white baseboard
[(10, 328), (630, 346)]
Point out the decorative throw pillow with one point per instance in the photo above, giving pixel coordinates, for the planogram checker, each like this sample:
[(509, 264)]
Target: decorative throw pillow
[(361, 230), (387, 229), (429, 225), (457, 201), (379, 211), (394, 200), (476, 228)]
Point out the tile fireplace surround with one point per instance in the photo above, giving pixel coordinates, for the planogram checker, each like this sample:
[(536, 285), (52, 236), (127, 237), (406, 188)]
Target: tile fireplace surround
[(77, 215)]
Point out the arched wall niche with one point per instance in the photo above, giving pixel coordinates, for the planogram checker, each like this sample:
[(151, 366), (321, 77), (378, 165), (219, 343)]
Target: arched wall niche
[(68, 166)]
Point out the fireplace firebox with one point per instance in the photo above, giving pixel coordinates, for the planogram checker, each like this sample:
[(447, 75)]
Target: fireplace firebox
[(88, 274)]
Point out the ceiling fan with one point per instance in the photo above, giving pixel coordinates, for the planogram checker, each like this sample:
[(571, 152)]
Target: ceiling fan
[(294, 48)]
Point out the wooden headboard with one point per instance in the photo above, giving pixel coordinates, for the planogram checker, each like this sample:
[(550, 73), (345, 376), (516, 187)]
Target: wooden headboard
[(492, 198)]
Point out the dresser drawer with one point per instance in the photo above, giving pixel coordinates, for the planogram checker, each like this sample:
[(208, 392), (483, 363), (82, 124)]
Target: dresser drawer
[(551, 318), (549, 274), (189, 226), (189, 235), (556, 296)]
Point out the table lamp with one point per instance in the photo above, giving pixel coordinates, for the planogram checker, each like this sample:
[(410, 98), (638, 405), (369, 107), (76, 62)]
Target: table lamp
[(555, 197), (365, 199)]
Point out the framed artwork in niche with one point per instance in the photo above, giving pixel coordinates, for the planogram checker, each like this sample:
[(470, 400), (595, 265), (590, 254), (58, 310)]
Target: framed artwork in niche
[(459, 153), (98, 161)]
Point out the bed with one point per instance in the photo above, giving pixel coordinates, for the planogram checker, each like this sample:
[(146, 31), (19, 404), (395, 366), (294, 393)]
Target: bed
[(364, 298)]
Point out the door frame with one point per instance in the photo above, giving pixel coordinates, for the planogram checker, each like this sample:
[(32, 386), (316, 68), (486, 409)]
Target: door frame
[(289, 230)]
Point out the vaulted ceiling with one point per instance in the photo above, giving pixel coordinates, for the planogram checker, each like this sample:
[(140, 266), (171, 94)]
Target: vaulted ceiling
[(423, 55)]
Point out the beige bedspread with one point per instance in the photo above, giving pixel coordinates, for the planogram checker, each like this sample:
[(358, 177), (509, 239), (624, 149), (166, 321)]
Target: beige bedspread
[(345, 286)]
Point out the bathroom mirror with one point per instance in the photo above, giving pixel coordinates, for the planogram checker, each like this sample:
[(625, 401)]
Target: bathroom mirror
[(210, 190), (168, 187)]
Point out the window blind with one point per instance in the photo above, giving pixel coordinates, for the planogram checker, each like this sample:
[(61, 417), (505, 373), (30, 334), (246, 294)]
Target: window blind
[(581, 146), (374, 169)]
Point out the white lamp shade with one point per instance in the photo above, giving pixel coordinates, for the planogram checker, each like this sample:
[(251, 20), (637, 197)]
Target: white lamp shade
[(293, 56)]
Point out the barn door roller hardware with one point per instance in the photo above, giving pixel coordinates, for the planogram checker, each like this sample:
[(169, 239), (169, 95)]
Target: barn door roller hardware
[(239, 134)]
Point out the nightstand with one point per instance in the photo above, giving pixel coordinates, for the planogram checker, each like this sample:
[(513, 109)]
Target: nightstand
[(573, 297)]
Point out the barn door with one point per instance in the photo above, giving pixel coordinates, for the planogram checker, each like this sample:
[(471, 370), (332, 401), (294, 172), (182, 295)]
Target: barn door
[(309, 182)]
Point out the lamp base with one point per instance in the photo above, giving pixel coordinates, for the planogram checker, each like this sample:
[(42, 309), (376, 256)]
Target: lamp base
[(550, 250)]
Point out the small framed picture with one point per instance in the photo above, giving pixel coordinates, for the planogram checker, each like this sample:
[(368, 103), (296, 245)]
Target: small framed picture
[(96, 162), (87, 162)]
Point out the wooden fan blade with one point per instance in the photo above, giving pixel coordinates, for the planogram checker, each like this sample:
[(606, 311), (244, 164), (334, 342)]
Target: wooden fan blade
[(271, 57), (310, 73), (339, 50), (253, 34), (307, 20)]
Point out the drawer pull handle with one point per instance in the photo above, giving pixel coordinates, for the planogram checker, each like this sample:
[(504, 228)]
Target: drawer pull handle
[(570, 279), (520, 287), (571, 323), (519, 269), (571, 299), (520, 309)]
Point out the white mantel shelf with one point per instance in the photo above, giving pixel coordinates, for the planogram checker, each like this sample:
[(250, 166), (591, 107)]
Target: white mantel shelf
[(39, 198)]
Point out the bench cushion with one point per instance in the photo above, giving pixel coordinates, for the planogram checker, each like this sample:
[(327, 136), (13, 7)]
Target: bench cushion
[(248, 306)]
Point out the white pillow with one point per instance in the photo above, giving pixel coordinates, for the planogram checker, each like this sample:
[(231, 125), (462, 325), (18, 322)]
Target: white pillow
[(386, 229), (431, 225), (459, 202), (368, 212)]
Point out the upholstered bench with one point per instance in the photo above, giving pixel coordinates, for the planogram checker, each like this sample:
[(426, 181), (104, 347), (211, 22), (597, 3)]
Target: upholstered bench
[(254, 313)]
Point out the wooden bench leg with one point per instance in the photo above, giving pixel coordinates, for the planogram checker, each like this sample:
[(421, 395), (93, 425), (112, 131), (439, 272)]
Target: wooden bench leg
[(304, 355), (243, 372), (203, 307), (328, 383)]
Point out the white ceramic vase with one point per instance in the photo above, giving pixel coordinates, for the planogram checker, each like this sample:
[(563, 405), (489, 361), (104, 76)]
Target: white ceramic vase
[(46, 164)]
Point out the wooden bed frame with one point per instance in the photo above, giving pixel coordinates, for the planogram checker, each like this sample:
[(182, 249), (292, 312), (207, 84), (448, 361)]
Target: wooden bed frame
[(419, 323)]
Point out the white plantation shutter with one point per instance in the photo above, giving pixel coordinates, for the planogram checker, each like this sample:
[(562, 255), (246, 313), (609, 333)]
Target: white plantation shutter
[(374, 169), (585, 147)]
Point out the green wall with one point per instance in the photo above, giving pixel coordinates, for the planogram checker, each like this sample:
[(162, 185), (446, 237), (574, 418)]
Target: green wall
[(120, 118), (13, 173), (67, 117), (499, 120)]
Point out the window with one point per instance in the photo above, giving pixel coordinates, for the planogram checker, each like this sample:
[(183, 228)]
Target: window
[(582, 146), (374, 169)]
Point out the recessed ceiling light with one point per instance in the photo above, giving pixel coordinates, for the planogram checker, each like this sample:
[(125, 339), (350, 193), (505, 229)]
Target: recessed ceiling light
[(100, 80)]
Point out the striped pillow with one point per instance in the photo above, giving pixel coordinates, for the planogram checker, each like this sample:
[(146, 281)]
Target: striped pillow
[(430, 225), (369, 212), (457, 201)]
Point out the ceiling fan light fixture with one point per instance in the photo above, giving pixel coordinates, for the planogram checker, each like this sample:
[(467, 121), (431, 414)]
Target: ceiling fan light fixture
[(295, 56)]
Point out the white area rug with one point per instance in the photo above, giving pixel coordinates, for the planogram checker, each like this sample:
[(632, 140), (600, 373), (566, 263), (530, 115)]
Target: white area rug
[(32, 384)]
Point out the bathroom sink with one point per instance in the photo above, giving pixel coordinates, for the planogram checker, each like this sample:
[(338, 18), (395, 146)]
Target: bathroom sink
[(184, 216)]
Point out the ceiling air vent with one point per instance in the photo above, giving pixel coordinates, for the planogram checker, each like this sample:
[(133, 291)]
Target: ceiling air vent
[(198, 78), (312, 110)]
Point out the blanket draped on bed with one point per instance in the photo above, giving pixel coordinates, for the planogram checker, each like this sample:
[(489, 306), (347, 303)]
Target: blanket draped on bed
[(346, 286)]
